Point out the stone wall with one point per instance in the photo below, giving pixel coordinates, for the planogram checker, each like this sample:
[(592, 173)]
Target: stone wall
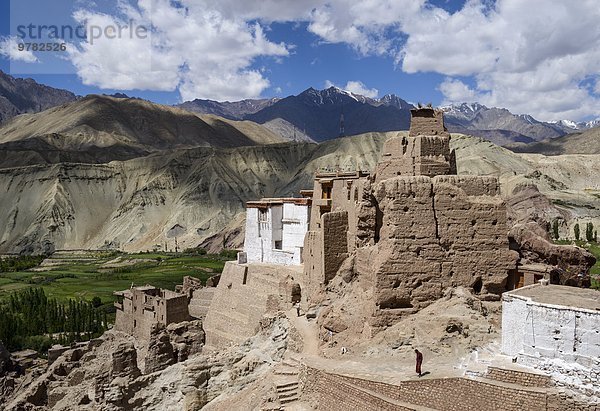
[(246, 292), (452, 394), (332, 394), (525, 379)]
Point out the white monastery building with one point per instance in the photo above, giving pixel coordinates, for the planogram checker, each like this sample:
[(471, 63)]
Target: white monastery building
[(275, 230), (555, 328)]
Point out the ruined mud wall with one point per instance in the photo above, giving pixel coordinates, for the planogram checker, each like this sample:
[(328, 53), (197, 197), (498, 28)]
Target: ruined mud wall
[(313, 261), (427, 121), (413, 156), (335, 242), (436, 233)]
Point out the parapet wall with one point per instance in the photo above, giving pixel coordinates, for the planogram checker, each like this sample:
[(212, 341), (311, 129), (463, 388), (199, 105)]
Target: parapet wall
[(525, 379)]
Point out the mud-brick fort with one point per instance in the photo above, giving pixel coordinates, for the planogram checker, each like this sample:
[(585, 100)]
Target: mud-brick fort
[(412, 228), (405, 233)]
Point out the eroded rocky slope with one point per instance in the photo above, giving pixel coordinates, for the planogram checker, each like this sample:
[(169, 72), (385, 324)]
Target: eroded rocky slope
[(133, 204), (99, 129)]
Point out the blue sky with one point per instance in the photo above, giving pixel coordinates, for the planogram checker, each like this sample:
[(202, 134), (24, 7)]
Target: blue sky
[(533, 57)]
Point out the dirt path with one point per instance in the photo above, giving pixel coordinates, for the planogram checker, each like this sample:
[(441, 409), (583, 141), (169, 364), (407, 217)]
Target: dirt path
[(308, 331)]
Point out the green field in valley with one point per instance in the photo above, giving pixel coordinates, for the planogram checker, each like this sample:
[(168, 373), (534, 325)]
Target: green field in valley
[(86, 275)]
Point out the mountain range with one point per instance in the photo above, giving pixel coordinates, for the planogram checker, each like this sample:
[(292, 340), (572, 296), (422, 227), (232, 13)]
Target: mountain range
[(318, 114), (315, 115), (18, 96), (114, 171), (100, 129)]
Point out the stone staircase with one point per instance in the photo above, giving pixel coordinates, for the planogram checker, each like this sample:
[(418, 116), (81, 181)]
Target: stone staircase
[(287, 382)]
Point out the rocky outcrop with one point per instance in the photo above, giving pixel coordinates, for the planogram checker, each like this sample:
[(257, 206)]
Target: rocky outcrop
[(124, 361), (175, 343), (106, 375), (568, 265), (7, 373), (5, 361), (526, 204), (531, 215)]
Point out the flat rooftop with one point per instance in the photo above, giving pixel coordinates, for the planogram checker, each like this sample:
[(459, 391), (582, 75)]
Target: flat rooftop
[(340, 174), (266, 202), (586, 298)]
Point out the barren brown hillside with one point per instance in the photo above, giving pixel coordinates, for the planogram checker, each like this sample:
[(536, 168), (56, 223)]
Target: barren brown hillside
[(132, 204)]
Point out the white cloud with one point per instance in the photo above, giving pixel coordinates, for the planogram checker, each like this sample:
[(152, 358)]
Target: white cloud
[(356, 87), (529, 56), (196, 50), (9, 48), (456, 91), (534, 56)]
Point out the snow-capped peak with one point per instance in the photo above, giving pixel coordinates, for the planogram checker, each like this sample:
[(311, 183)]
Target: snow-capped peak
[(573, 125), (464, 108)]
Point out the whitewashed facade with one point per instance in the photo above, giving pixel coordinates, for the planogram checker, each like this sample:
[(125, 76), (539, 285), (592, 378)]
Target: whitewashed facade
[(275, 230), (547, 322)]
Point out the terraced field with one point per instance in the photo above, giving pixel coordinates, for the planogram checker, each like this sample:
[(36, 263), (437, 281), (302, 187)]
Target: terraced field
[(87, 274)]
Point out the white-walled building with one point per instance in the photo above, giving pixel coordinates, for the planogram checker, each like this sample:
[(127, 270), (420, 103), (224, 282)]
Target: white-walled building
[(275, 230), (541, 322)]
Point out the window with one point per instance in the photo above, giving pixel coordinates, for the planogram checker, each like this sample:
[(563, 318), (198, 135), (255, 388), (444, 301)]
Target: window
[(326, 194), (263, 214), (278, 245)]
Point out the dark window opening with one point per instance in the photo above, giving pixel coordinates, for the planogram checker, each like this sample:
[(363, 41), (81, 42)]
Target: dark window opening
[(326, 191), (378, 222), (262, 215), (477, 285)]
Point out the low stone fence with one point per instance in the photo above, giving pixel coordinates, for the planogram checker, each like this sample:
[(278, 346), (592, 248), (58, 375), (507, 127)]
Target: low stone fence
[(525, 379), (339, 392)]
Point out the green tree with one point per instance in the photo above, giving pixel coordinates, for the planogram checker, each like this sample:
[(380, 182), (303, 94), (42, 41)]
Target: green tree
[(576, 229), (589, 232), (555, 229)]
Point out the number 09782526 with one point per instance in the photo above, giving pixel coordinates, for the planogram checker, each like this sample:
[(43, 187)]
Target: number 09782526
[(42, 46)]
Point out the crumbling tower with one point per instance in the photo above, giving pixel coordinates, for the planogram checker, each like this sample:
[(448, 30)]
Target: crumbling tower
[(413, 229), (425, 152)]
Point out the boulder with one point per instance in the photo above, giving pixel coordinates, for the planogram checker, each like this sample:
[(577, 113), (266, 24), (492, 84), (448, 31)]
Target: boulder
[(124, 361), (160, 351), (567, 264)]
